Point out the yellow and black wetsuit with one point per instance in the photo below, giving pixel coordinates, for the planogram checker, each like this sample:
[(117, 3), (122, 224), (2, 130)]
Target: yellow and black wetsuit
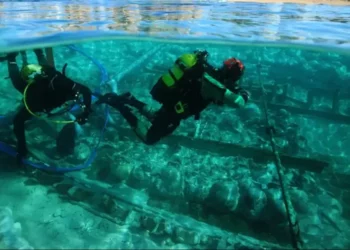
[(182, 91), (45, 89)]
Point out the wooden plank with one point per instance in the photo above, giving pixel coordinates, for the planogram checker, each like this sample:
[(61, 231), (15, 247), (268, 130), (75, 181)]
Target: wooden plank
[(315, 90), (205, 146), (335, 102), (50, 57), (333, 116), (137, 201), (258, 155), (320, 114)]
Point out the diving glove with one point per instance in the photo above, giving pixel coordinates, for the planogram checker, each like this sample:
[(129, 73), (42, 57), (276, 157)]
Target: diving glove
[(245, 94)]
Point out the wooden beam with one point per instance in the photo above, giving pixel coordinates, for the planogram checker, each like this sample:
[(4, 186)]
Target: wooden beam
[(258, 155), (335, 102), (333, 116), (320, 114), (205, 146), (49, 56)]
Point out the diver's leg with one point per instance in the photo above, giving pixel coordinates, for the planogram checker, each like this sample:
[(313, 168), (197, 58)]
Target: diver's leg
[(131, 100), (18, 127), (24, 58), (143, 108), (136, 124), (40, 56), (14, 72), (163, 125), (112, 99), (149, 112), (141, 128)]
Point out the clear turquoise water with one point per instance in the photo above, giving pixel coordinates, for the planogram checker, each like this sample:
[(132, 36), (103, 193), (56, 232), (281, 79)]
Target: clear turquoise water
[(135, 196)]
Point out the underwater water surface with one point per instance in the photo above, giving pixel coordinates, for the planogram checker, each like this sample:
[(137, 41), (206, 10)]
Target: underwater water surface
[(27, 23), (213, 183)]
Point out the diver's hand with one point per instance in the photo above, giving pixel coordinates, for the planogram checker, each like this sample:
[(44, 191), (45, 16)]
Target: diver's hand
[(245, 94)]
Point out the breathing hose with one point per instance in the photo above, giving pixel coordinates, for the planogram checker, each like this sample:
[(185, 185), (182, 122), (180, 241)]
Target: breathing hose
[(293, 223)]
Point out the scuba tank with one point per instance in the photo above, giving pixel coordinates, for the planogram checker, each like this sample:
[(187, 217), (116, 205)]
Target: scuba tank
[(171, 86)]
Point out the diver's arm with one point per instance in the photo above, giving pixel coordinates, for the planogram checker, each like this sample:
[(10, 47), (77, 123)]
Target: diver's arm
[(234, 100), (42, 60), (218, 93)]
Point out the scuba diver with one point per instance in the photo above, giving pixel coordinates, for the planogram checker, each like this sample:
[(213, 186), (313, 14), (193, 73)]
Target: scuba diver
[(184, 91), (44, 89)]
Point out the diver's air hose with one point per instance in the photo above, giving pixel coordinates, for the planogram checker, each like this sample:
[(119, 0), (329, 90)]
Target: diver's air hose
[(291, 214), (103, 71)]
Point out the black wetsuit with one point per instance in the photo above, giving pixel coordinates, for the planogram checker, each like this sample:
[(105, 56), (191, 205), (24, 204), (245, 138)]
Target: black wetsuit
[(165, 120), (46, 94)]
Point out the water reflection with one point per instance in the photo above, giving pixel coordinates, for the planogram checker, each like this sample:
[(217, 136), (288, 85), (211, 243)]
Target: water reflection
[(230, 20)]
